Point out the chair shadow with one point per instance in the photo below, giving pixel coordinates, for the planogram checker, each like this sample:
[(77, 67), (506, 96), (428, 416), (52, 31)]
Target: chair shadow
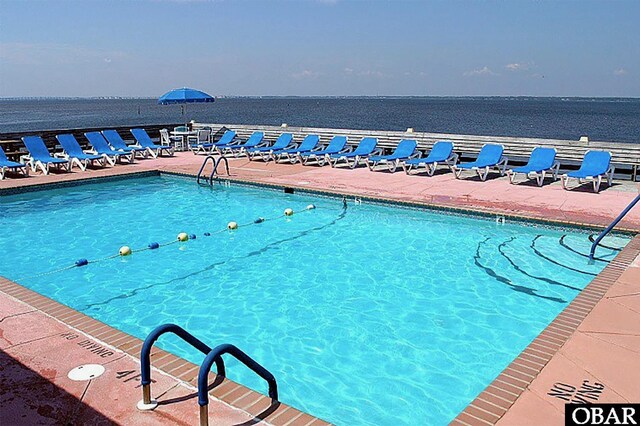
[(533, 183), (30, 398), (587, 187), (476, 178)]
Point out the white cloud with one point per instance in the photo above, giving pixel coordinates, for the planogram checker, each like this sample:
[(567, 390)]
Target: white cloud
[(365, 73), (481, 71), (619, 71), (306, 74), (371, 73), (519, 66)]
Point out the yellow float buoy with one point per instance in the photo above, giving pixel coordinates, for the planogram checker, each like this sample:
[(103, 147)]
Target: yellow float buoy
[(125, 251), (232, 225), (288, 212), (183, 236)]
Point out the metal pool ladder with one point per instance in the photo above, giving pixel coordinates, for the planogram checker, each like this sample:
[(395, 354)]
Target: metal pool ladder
[(213, 356), (611, 226), (215, 162)]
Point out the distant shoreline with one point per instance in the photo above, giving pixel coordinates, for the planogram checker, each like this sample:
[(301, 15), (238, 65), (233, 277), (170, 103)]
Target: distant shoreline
[(106, 98)]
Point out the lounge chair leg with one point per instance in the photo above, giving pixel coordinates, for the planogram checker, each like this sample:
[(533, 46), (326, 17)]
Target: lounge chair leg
[(457, 172), (564, 179), (540, 178), (43, 167), (355, 162), (483, 176)]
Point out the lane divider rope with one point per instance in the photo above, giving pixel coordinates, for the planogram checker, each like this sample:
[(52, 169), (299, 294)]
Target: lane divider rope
[(181, 238)]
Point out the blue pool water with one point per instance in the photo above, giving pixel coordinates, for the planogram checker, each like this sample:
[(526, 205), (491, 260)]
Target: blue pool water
[(369, 315)]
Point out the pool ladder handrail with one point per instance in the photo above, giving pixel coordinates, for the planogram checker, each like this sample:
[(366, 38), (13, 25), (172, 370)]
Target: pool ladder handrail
[(611, 226), (216, 163), (213, 356)]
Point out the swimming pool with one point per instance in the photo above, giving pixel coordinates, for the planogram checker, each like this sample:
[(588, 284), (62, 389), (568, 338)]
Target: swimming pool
[(369, 315)]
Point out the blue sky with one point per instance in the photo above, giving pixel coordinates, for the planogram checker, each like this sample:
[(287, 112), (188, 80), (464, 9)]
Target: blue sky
[(320, 47)]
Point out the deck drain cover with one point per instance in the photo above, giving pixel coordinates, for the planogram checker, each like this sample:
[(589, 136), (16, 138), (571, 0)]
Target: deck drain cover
[(86, 372)]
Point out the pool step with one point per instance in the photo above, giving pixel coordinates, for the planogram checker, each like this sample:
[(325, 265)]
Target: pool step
[(546, 274)]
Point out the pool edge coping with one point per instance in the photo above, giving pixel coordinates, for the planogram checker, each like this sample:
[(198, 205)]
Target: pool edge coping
[(587, 298), (181, 370)]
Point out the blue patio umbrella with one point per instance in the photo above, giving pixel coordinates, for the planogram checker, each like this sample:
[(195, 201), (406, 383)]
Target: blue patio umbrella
[(184, 96)]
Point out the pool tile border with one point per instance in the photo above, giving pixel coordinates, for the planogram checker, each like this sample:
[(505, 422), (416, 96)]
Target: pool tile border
[(238, 396), (77, 181), (496, 399)]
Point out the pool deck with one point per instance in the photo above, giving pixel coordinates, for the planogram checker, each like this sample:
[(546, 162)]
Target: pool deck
[(590, 352)]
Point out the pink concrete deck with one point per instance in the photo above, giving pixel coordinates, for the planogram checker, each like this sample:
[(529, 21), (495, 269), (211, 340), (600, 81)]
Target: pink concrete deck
[(590, 352), (36, 354)]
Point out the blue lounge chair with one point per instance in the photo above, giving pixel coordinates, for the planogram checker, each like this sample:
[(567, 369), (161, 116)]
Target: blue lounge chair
[(405, 150), (595, 165), (365, 148), (283, 141), (309, 143), (490, 156), (541, 161), (6, 164), (114, 139), (102, 147), (319, 154), (144, 141), (441, 152), (74, 154), (39, 155), (207, 147), (237, 147)]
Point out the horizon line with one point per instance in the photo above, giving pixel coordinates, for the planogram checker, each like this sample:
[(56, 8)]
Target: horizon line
[(7, 98)]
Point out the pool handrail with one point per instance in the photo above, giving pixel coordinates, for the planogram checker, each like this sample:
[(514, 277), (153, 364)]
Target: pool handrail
[(609, 228), (215, 162), (215, 356), (145, 361)]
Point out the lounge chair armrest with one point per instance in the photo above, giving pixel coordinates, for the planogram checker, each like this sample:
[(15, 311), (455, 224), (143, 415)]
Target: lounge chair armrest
[(417, 154), (60, 155), (377, 151), (25, 158), (261, 144), (346, 150), (292, 145)]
